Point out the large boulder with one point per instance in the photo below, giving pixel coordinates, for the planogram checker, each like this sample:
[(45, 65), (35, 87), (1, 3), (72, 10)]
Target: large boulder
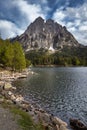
[(58, 121), (62, 127), (7, 86)]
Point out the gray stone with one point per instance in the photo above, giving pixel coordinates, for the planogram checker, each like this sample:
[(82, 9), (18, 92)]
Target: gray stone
[(26, 107), (44, 117), (1, 100), (51, 128), (57, 127), (62, 127), (7, 86), (9, 101), (13, 88), (5, 94), (19, 98), (13, 97), (58, 121), (10, 93), (1, 84)]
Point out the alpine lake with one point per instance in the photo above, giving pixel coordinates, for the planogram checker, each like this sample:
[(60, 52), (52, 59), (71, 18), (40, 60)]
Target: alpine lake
[(61, 91)]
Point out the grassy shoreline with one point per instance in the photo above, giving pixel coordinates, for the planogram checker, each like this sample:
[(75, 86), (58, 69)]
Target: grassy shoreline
[(24, 120)]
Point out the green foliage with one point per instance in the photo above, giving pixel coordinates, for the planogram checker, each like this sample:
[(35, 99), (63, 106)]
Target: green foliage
[(28, 63), (65, 57), (26, 121), (12, 55), (19, 61), (75, 61)]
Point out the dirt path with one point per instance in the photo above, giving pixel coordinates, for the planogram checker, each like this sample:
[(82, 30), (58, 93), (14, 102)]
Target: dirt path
[(7, 120)]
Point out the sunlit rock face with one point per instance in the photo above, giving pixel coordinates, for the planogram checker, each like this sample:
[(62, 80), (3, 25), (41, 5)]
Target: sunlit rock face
[(46, 34)]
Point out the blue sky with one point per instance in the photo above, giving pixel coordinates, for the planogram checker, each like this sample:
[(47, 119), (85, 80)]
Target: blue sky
[(16, 15)]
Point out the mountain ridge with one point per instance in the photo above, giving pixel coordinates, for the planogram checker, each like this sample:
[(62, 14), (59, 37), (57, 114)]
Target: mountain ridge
[(47, 35)]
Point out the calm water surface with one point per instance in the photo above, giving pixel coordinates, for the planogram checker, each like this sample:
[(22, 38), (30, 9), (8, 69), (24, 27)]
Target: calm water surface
[(61, 91)]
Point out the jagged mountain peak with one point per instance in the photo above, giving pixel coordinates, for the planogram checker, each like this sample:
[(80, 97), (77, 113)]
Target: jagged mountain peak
[(39, 19), (46, 34)]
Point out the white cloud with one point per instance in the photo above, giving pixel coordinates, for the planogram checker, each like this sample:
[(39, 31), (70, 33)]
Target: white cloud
[(29, 11), (59, 16), (83, 28), (44, 1), (75, 19), (9, 29)]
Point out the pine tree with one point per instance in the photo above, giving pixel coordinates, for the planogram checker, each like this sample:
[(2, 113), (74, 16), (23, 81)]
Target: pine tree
[(12, 55), (19, 61)]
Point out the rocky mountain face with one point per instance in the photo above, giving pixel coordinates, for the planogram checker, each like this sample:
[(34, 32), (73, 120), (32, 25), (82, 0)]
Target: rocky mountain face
[(46, 34)]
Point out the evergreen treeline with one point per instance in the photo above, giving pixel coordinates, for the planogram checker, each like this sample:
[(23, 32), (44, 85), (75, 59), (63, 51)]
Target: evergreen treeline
[(65, 57), (12, 55)]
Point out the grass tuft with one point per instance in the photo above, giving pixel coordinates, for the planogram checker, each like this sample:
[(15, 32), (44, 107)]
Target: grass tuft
[(24, 120)]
